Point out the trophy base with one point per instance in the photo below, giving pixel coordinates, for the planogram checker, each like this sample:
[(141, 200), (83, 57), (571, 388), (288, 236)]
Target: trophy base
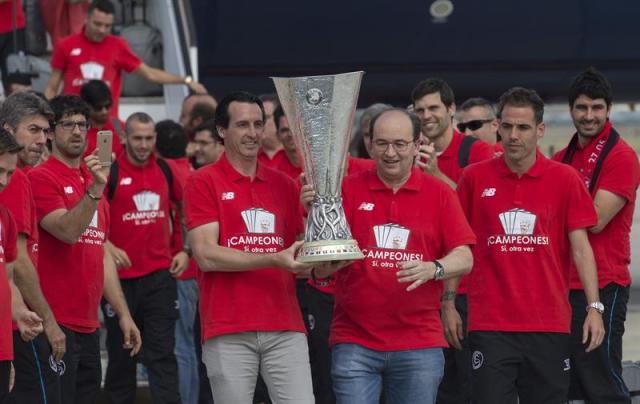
[(329, 250)]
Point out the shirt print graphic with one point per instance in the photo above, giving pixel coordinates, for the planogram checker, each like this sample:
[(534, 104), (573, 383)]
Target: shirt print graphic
[(261, 234), (147, 205), (391, 247), (519, 227)]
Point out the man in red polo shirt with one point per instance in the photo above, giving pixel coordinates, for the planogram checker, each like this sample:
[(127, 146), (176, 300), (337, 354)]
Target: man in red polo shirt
[(445, 153), (288, 159), (386, 329), (530, 215), (11, 304), (26, 116), (74, 270), (610, 171), (140, 191), (243, 220), (96, 54)]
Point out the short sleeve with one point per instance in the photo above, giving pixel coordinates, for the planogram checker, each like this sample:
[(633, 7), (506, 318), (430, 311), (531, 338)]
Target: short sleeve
[(19, 202), (620, 174), (126, 59), (58, 57), (200, 203), (9, 238), (464, 191), (580, 210), (456, 230), (46, 194)]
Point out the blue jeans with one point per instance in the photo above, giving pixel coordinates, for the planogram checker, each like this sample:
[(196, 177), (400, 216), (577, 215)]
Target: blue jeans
[(185, 345), (359, 375)]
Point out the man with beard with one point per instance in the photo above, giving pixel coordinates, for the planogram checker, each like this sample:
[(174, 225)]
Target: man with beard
[(141, 188), (444, 154), (74, 270), (610, 171), (26, 116)]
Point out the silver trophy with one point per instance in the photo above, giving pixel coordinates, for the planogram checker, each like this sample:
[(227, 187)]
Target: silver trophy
[(320, 112)]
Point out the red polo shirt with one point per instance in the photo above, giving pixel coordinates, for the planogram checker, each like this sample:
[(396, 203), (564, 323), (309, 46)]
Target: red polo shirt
[(81, 60), (620, 174), (17, 197), (141, 222), (267, 161), (520, 276), (372, 308), (6, 17), (182, 169), (449, 164), (71, 275), (259, 216), (7, 254)]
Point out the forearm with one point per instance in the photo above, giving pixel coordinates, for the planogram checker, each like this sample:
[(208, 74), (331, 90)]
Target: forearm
[(113, 293), (456, 263), (17, 303), (585, 265), (70, 226), (162, 77), (52, 86), (26, 279)]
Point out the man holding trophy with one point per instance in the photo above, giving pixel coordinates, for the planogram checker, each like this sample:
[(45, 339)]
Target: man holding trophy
[(243, 220), (386, 331)]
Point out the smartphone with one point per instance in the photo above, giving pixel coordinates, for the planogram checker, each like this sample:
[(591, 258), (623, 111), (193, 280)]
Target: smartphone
[(104, 140)]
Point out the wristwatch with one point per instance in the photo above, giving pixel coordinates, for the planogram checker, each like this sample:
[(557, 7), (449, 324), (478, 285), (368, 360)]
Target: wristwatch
[(597, 306), (439, 274), (188, 80)]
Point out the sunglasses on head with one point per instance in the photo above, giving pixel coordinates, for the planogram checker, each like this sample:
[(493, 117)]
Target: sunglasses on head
[(473, 125)]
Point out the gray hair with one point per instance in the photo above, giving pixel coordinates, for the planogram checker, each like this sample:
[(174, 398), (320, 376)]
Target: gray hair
[(478, 102), (21, 105), (374, 110)]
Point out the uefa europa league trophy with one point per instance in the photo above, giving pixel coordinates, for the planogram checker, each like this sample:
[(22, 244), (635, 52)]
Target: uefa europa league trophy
[(320, 112)]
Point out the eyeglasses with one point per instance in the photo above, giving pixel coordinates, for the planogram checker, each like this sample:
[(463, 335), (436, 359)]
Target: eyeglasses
[(400, 146), (68, 126), (473, 125)]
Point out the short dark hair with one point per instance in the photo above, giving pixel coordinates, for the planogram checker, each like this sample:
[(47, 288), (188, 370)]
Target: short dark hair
[(63, 105), (593, 84), (172, 140), (222, 112), (209, 125), (141, 117), (478, 102), (106, 6), (522, 97), (434, 85), (277, 114), (96, 93), (8, 143), (415, 121)]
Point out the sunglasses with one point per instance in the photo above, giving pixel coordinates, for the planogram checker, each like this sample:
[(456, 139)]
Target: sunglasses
[(473, 125)]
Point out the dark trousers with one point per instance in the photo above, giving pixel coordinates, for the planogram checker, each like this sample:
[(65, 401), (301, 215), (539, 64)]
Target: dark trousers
[(37, 380), (6, 48), (596, 377), (519, 367), (5, 369), (205, 396), (455, 387), (152, 302), (320, 314), (80, 370)]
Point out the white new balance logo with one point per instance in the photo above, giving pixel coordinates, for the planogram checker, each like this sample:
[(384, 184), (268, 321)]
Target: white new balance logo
[(366, 206), (488, 192), (227, 196)]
